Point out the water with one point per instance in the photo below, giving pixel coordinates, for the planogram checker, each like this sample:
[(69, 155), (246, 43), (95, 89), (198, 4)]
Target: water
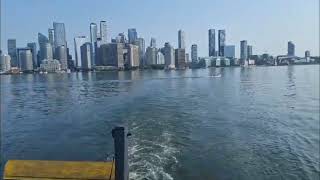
[(251, 123)]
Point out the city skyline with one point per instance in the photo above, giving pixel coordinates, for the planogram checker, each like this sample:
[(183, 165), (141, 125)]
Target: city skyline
[(273, 42)]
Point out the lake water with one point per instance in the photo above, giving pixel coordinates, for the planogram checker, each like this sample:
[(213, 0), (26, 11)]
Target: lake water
[(250, 123)]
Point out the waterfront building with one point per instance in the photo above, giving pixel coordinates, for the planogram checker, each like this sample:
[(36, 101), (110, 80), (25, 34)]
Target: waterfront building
[(12, 51), (194, 53), (222, 42), (103, 32), (151, 56), (132, 35), (307, 53), (47, 51), (153, 42), (50, 65), (25, 59), (43, 41), (112, 55), (169, 56), (141, 44), (291, 49), (249, 49), (243, 51), (5, 63), (181, 39), (33, 48), (86, 61), (61, 55), (78, 42), (121, 38), (187, 58), (59, 34), (180, 58), (160, 58), (132, 56), (229, 51), (93, 40), (212, 42)]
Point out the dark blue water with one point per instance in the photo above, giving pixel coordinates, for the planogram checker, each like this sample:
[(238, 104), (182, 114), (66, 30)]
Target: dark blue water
[(251, 123)]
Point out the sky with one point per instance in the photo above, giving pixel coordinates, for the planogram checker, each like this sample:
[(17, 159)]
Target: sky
[(267, 25)]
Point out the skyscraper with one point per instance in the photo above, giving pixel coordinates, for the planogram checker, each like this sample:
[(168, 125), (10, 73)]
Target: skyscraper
[(51, 36), (43, 41), (243, 50), (160, 58), (78, 42), (153, 42), (222, 42), (151, 56), (180, 58), (103, 32), (212, 42), (59, 34), (61, 55), (12, 51), (132, 35), (86, 56), (249, 49), (133, 59), (5, 62), (141, 44), (25, 58), (181, 39), (229, 51), (93, 40), (194, 53), (291, 49), (112, 55), (169, 56), (47, 52), (33, 47)]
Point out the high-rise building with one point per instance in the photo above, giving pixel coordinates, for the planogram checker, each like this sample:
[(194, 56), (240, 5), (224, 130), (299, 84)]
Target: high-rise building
[(25, 59), (61, 55), (12, 51), (47, 51), (52, 65), (243, 50), (181, 39), (307, 54), (132, 35), (169, 56), (43, 41), (160, 58), (93, 40), (153, 42), (141, 44), (222, 42), (194, 53), (78, 42), (86, 56), (291, 49), (121, 38), (151, 56), (51, 36), (249, 49), (5, 63), (132, 57), (59, 34), (33, 48), (103, 32), (229, 51), (180, 58), (112, 54), (212, 42)]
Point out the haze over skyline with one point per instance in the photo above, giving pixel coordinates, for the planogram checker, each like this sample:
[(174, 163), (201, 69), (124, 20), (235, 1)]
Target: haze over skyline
[(267, 25)]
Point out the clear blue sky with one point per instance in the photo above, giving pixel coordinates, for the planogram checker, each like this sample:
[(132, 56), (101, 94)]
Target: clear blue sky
[(266, 24)]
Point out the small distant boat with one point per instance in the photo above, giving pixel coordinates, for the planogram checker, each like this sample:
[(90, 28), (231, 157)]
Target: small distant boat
[(215, 76)]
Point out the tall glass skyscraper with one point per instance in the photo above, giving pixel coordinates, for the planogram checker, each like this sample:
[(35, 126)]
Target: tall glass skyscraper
[(181, 39), (59, 34), (93, 40), (229, 51), (291, 49), (132, 35), (12, 51), (222, 42), (249, 49), (212, 42), (42, 40), (243, 50), (78, 42), (153, 42), (194, 53), (33, 47), (103, 32)]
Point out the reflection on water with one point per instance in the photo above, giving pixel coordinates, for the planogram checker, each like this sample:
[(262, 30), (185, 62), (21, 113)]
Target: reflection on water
[(250, 123)]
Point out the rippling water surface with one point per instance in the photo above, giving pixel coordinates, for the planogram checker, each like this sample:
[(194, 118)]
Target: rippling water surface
[(251, 123)]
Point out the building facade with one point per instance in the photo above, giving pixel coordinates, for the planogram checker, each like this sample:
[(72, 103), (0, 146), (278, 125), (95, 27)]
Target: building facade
[(103, 32), (12, 51), (25, 58), (61, 54), (169, 56), (33, 48), (249, 49), (229, 51), (5, 63), (151, 56), (153, 42), (194, 53), (181, 39), (222, 42), (132, 35), (243, 50), (212, 42), (42, 41), (86, 56), (50, 65), (59, 34), (180, 58), (78, 42), (133, 59), (160, 58), (93, 40), (291, 49)]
